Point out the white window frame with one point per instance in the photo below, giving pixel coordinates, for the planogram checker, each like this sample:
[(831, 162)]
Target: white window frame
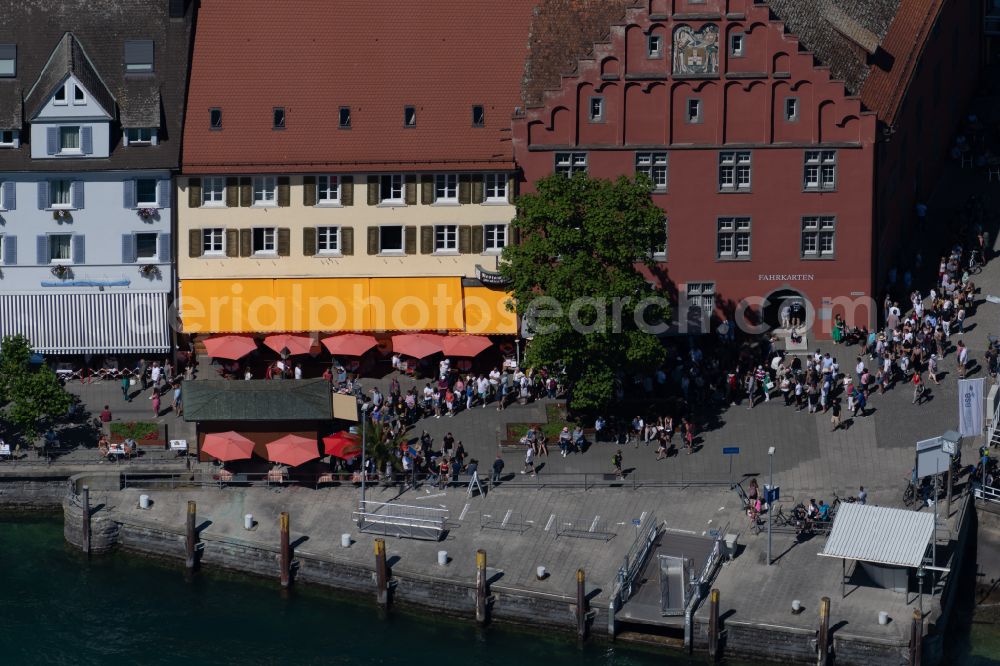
[(693, 110), (13, 143), (155, 203), (820, 171), (494, 238), (265, 191), (54, 190), (819, 231), (402, 240), (328, 241), (736, 43), (64, 91), (495, 188), (79, 140), (568, 163), (156, 246), (83, 95), (396, 184), (446, 188), (69, 246), (213, 192), (445, 239), (651, 50), (655, 165), (733, 238), (213, 241), (791, 109), (139, 139), (595, 109), (269, 241), (659, 253), (328, 190), (735, 171), (702, 295)]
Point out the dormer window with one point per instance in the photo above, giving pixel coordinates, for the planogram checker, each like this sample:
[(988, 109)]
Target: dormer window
[(8, 139), (215, 119), (409, 116), (478, 116), (345, 117), (139, 56), (79, 97), (60, 96), (279, 118), (140, 136), (8, 59)]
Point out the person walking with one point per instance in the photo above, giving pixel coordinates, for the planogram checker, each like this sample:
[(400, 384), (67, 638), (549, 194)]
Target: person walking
[(835, 417), (156, 404), (529, 460), (616, 462), (498, 468), (106, 420), (963, 359), (178, 405), (126, 383), (141, 371), (862, 496), (918, 388), (932, 368)]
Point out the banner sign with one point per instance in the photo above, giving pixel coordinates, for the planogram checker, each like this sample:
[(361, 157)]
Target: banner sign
[(970, 407)]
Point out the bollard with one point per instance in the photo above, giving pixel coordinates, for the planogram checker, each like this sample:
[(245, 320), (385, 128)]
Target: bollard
[(381, 594), (713, 625), (189, 536), (916, 637), (824, 631), (286, 558), (581, 605), (481, 586), (85, 503)]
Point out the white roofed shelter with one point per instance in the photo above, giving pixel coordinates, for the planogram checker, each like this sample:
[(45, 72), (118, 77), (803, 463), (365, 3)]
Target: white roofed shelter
[(887, 542)]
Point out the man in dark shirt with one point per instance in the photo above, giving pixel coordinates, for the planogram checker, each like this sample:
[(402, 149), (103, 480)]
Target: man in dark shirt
[(497, 468)]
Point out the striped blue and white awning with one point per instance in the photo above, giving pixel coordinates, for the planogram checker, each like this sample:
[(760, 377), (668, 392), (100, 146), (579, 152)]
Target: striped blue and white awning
[(92, 323)]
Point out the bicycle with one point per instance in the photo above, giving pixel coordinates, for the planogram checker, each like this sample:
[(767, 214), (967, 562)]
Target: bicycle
[(975, 262)]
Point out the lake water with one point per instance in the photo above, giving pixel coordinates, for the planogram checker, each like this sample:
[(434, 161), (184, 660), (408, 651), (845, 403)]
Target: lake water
[(56, 607)]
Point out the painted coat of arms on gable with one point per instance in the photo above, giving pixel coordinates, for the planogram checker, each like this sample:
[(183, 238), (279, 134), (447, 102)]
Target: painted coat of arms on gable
[(696, 52)]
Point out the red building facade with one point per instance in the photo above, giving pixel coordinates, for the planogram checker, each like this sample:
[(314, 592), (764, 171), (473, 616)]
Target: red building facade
[(764, 161)]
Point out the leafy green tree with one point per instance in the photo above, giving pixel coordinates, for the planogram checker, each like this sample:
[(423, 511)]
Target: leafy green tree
[(382, 444), (33, 394), (576, 281)]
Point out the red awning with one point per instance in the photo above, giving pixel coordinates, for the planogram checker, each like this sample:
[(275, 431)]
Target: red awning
[(465, 345), (344, 445), (227, 446), (349, 344), (417, 345), (295, 344), (292, 450), (233, 347)]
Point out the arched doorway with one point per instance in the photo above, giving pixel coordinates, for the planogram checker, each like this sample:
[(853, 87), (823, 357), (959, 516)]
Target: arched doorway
[(782, 305)]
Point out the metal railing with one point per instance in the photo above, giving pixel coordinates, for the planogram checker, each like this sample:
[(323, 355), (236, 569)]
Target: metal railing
[(401, 520)]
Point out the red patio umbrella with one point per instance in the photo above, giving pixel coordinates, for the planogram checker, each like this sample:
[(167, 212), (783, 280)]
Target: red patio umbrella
[(349, 344), (295, 344), (227, 446), (343, 444), (465, 345), (233, 347), (292, 450), (417, 345)]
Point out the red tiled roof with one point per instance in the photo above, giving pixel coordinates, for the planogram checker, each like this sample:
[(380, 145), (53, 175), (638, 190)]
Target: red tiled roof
[(884, 90), (313, 56)]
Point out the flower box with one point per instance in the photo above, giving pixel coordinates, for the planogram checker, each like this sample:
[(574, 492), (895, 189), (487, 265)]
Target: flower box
[(145, 433)]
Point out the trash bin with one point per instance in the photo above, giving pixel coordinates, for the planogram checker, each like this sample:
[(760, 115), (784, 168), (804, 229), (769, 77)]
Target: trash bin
[(345, 540), (442, 557), (143, 501), (248, 521)]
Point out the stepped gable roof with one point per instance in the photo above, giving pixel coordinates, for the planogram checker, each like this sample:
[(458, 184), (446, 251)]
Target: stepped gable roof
[(68, 58), (440, 56), (562, 31), (86, 39)]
